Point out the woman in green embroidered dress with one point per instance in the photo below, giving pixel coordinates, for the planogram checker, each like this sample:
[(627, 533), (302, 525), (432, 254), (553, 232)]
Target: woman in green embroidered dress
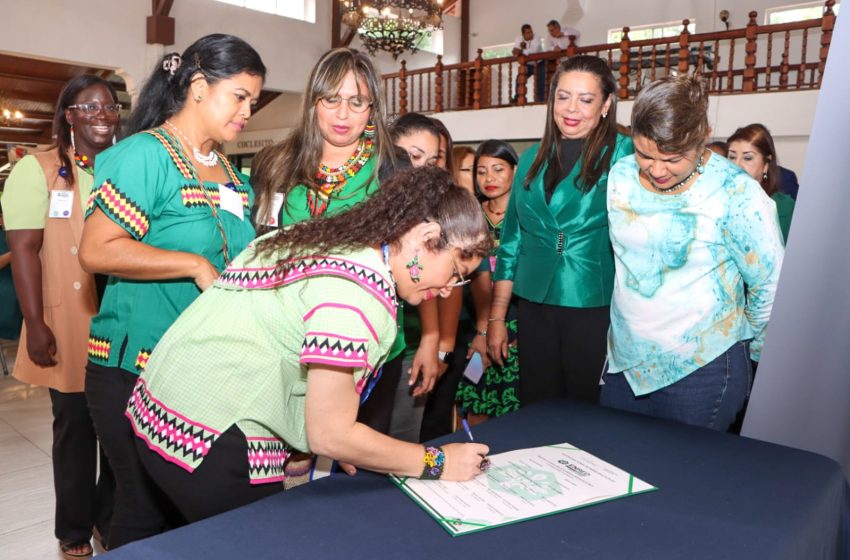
[(496, 393), (167, 213), (333, 160)]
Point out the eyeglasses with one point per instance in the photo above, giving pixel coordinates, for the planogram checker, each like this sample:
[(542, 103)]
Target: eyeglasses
[(456, 272), (93, 108), (357, 103)]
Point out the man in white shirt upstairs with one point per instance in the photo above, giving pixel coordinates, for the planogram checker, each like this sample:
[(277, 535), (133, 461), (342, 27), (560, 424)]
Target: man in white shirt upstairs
[(526, 43), (559, 37)]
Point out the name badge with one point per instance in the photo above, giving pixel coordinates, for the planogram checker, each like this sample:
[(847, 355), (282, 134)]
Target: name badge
[(231, 201), (61, 204), (277, 202)]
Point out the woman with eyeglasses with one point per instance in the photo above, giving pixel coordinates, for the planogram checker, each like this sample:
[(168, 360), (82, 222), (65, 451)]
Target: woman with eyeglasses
[(333, 160), (44, 201), (316, 305), (168, 213)]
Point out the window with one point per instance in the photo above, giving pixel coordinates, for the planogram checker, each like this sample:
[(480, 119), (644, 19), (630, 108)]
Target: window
[(796, 12), (304, 10), (497, 51), (651, 31), (432, 42)]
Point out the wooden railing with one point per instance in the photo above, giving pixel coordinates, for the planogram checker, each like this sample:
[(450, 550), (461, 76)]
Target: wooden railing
[(782, 57)]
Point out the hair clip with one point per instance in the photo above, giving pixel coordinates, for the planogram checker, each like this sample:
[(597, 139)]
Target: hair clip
[(171, 63), (197, 58)]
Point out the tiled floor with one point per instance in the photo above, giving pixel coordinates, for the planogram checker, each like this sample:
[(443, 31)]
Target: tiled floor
[(26, 473)]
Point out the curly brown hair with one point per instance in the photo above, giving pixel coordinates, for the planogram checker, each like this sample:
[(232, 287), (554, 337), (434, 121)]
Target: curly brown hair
[(408, 198)]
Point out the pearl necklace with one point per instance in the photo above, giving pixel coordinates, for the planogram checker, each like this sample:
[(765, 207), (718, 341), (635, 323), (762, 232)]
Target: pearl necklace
[(208, 160), (700, 168)]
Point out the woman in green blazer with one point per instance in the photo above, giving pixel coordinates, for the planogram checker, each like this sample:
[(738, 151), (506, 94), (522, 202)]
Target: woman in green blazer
[(555, 254)]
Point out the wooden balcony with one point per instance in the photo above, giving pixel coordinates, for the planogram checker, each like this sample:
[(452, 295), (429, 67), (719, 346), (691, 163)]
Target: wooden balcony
[(756, 58)]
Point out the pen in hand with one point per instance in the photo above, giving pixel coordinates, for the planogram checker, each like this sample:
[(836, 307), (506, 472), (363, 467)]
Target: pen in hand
[(485, 462)]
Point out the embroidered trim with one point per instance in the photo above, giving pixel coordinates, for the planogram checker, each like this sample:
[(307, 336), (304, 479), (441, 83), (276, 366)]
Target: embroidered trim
[(175, 437), (269, 277), (142, 359), (266, 459), (129, 214), (98, 348), (183, 165), (193, 196), (234, 177), (334, 350)]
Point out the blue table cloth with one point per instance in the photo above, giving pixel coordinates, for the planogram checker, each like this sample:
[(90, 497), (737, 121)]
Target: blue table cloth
[(720, 496)]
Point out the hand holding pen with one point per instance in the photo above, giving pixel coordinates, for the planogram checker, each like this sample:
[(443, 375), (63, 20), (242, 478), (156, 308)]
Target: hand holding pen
[(485, 462)]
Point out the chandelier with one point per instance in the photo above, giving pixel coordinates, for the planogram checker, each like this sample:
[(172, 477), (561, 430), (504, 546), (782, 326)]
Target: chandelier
[(394, 26)]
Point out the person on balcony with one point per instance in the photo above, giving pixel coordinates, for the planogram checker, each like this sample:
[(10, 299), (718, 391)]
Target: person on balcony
[(698, 251), (554, 253), (527, 43), (559, 37)]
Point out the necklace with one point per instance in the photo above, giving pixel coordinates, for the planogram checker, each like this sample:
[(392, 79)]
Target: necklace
[(700, 168), (331, 180), (490, 209), (83, 162), (208, 160)]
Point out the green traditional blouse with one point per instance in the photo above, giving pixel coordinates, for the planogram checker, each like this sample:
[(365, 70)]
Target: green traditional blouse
[(205, 376), (146, 185), (354, 191), (784, 209)]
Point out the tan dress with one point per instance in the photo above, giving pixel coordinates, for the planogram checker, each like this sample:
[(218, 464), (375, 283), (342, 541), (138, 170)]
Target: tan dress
[(68, 293)]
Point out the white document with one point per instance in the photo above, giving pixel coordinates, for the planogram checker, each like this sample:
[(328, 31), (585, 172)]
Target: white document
[(61, 204), (522, 485), (231, 201)]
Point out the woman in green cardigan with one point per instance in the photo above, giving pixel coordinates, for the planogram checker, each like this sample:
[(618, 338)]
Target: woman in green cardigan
[(555, 254)]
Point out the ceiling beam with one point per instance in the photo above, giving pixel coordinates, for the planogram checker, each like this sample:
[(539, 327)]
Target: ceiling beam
[(40, 96), (25, 138), (160, 26)]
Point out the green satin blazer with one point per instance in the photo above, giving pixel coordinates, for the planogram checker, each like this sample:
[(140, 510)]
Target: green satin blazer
[(558, 253)]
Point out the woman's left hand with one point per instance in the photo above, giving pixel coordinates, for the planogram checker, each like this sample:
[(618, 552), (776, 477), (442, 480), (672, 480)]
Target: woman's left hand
[(426, 369)]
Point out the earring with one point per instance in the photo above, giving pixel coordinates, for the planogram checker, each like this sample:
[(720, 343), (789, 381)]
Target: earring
[(114, 140), (73, 144), (414, 269), (198, 98), (604, 114), (370, 130), (764, 176)]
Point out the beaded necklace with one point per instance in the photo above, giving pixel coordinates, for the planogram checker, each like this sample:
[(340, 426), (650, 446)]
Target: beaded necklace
[(331, 180), (700, 168), (84, 163)]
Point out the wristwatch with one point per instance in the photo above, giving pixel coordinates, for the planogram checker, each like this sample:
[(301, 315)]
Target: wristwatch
[(445, 357)]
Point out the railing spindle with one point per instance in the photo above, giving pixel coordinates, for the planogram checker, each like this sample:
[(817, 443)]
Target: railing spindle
[(624, 65), (438, 84), (827, 25), (729, 75), (476, 81), (750, 58), (713, 85), (783, 67), (402, 88), (684, 52), (801, 71), (521, 80)]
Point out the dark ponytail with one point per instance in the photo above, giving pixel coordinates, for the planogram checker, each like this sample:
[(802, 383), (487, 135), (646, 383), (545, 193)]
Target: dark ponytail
[(216, 57), (61, 126)]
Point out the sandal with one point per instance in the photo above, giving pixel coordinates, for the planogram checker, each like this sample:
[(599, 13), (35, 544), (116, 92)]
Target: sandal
[(67, 547)]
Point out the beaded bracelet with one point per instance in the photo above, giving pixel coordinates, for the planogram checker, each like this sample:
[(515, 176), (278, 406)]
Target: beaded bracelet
[(480, 333), (435, 462)]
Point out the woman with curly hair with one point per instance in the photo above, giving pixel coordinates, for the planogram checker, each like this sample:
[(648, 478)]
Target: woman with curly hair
[(315, 306)]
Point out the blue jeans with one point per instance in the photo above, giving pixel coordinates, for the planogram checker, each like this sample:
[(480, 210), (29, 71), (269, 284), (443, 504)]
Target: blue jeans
[(710, 397)]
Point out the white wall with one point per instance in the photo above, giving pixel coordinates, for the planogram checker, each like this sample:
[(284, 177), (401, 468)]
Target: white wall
[(111, 34), (790, 128)]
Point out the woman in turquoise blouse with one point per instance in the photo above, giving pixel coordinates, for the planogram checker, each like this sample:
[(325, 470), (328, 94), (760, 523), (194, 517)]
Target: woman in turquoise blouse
[(554, 252)]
